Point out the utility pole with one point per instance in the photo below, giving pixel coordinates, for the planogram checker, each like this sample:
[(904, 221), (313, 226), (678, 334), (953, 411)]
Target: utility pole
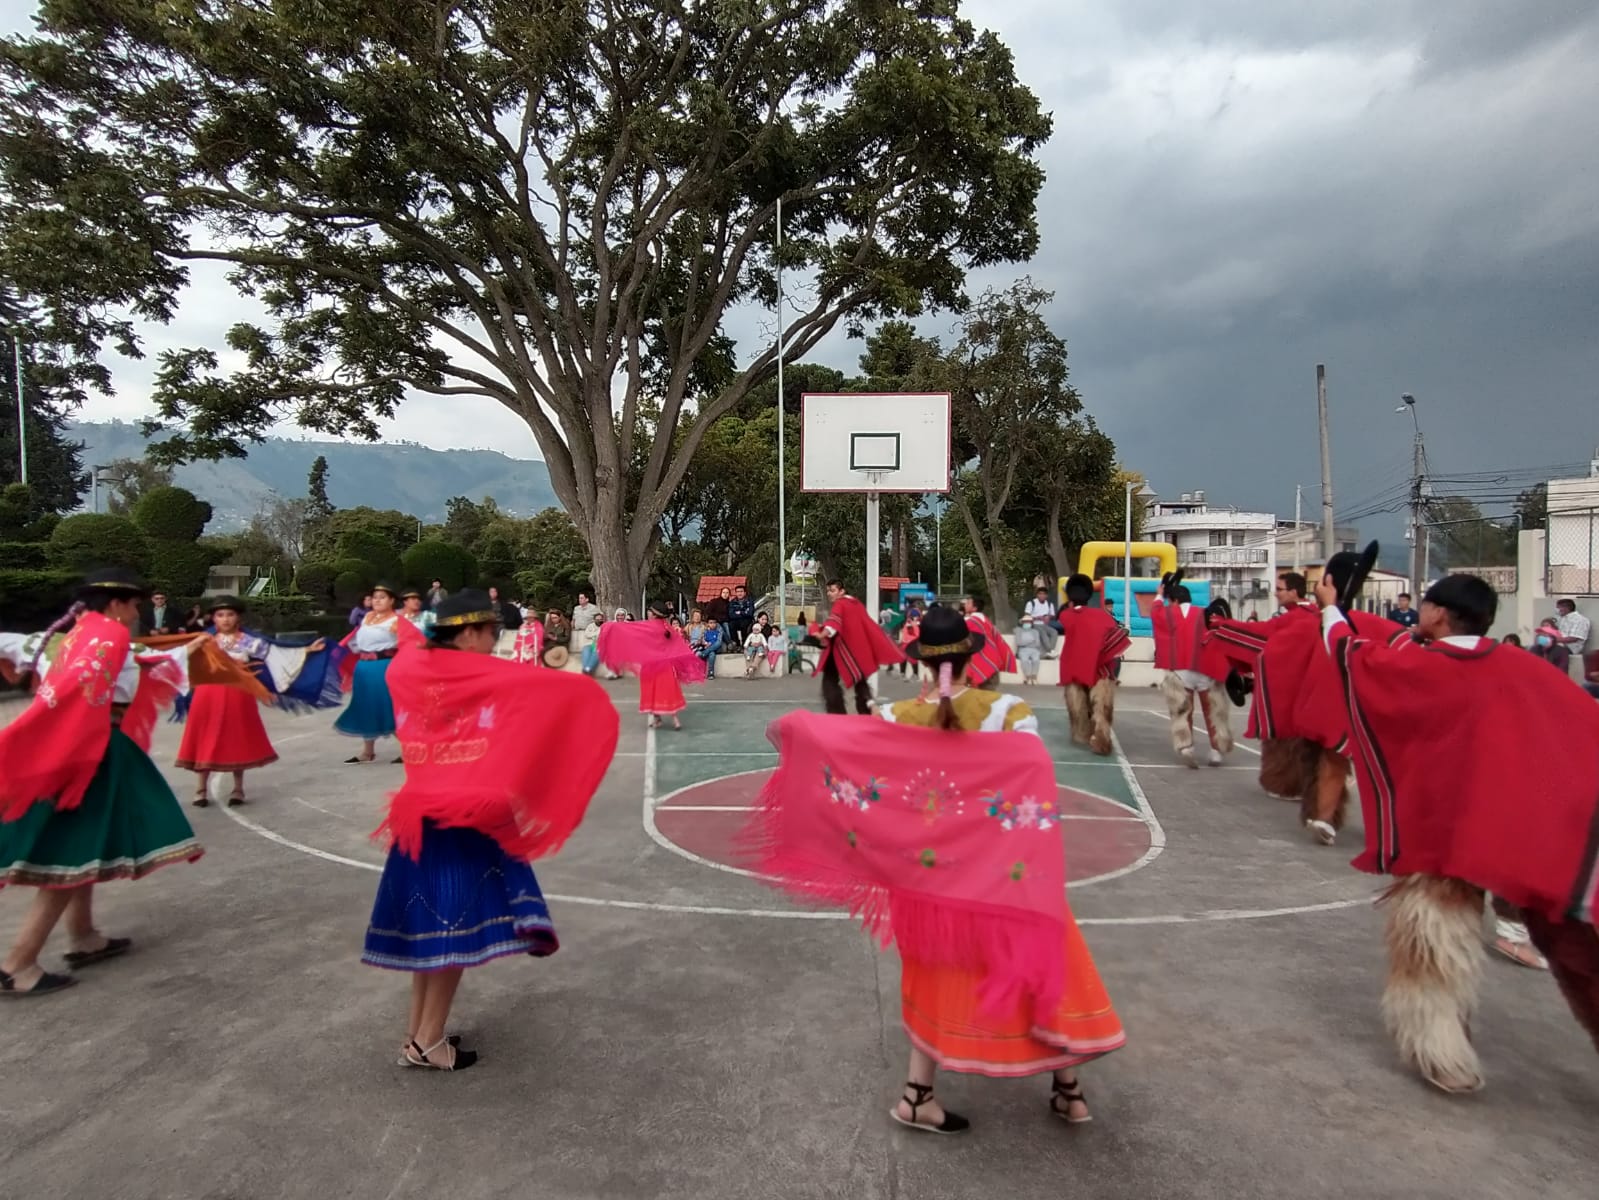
[(22, 411), (782, 464), (1299, 500), (1329, 539), (1418, 549)]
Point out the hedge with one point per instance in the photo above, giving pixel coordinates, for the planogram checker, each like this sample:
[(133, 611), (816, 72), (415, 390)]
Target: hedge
[(171, 514), (374, 549), (87, 541), (24, 556), (181, 568), (315, 579), (31, 599), (349, 587), (454, 566)]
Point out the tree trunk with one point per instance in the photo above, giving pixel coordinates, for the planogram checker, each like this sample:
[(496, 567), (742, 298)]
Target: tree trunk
[(1057, 545), (900, 554)]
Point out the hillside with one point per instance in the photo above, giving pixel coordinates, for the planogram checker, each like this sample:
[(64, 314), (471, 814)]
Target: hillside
[(412, 479)]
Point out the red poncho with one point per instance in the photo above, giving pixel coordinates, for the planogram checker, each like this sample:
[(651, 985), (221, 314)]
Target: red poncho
[(491, 746), (859, 646), (1091, 641), (947, 844), (1476, 764), (1179, 636), (1272, 713), (995, 656)]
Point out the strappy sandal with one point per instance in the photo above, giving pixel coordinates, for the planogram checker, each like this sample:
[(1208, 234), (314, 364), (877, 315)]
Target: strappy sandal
[(113, 948), (47, 984), (415, 1056), (922, 1094), (454, 1040), (201, 800), (236, 799), (1070, 1093)]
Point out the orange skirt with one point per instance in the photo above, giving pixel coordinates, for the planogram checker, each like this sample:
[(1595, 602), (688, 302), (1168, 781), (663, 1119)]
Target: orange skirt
[(660, 693), (940, 1011)]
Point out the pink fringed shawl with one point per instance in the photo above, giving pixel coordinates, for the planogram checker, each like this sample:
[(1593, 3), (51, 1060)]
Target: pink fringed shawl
[(943, 843), (638, 646)]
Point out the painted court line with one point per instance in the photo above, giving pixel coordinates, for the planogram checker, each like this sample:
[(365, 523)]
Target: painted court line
[(1163, 718), (677, 808), (707, 910)]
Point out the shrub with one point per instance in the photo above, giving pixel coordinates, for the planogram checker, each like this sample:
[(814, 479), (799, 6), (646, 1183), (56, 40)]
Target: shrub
[(278, 614), (454, 566), (31, 599), (349, 587), (171, 514), (180, 568), (315, 579), (16, 509), (90, 540), (374, 549), (24, 556)]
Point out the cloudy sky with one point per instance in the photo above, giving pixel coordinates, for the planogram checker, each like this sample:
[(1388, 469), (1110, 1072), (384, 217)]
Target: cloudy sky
[(1240, 189)]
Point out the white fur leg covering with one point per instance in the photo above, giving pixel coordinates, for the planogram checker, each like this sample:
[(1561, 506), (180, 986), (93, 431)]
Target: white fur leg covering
[(1077, 712), (1216, 708), (1102, 709), (1181, 707), (1435, 958)]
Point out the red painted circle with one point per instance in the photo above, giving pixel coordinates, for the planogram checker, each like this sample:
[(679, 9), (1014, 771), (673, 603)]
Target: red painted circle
[(704, 820)]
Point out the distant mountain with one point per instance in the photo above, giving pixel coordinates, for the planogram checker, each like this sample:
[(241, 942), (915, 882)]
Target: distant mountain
[(413, 479)]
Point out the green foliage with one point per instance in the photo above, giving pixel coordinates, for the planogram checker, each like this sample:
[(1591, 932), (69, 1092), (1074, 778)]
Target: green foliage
[(55, 465), (1532, 507), (180, 568), (318, 507), (282, 614), (315, 579), (171, 514), (358, 566), (349, 587), (31, 599), (89, 540), (438, 559), (16, 509), (27, 556), (1461, 537), (376, 551), (303, 146), (397, 529), (126, 480)]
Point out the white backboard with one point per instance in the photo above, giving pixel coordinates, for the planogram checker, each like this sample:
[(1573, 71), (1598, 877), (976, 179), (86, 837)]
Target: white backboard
[(884, 442)]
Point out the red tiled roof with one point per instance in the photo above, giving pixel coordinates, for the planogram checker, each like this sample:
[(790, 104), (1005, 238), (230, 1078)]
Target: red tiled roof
[(891, 583), (711, 586)]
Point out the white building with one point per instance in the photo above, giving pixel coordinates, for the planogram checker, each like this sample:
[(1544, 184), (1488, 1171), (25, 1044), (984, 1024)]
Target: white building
[(1236, 551), (1572, 548)]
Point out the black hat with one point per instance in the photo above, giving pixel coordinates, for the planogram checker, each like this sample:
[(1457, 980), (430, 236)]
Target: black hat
[(113, 581), (408, 594), (1079, 586), (1349, 570), (389, 589), (944, 634), (233, 603), (467, 607)]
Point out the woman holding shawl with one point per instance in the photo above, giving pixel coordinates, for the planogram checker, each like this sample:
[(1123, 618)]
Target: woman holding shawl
[(660, 657), (952, 850), (80, 801), (489, 786), (223, 730), (372, 645)]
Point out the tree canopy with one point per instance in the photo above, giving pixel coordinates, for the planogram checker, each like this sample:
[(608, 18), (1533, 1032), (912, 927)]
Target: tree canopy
[(552, 205)]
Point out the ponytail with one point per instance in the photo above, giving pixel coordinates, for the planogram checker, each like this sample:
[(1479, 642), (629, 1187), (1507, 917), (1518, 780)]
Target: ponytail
[(66, 621)]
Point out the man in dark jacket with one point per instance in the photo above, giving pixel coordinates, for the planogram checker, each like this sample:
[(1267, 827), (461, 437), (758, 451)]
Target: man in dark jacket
[(740, 616)]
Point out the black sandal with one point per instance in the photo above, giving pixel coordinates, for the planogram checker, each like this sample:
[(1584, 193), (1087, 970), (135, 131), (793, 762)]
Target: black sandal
[(358, 759), (47, 983), (463, 1058), (236, 799), (1071, 1093), (201, 800), (922, 1094), (113, 948)]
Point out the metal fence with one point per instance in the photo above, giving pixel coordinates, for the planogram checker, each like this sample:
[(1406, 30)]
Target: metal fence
[(1571, 552)]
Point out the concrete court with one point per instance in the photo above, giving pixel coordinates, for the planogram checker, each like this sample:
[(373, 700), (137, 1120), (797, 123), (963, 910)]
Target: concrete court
[(689, 1040)]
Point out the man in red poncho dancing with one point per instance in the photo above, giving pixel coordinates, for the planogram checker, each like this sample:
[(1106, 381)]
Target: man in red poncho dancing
[(996, 656), (1467, 784), (1091, 642), (853, 647)]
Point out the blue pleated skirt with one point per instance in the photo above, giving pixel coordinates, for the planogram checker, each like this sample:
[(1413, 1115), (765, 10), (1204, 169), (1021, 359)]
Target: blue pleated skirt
[(370, 712), (462, 903)]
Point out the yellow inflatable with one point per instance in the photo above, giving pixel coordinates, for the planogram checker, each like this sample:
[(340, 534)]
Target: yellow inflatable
[(1092, 552)]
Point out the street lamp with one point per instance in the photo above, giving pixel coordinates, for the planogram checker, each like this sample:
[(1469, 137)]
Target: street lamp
[(1418, 567), (1139, 488), (100, 473), (965, 562)]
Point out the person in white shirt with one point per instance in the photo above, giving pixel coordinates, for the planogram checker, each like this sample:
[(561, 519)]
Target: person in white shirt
[(1042, 609), (1574, 630)]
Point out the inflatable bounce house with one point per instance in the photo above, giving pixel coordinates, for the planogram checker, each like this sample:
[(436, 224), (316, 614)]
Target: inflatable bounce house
[(1143, 591)]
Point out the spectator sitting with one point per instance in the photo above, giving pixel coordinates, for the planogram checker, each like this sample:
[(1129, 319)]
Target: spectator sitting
[(586, 612), (1029, 648), (1042, 610), (776, 647), (557, 629), (754, 651), (1574, 629), (591, 652), (710, 646), (695, 628), (716, 608), (1547, 646), (1511, 639), (740, 616), (196, 621)]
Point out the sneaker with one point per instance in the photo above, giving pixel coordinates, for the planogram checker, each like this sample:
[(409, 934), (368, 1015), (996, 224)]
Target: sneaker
[(1323, 832), (1188, 759), (1215, 758)]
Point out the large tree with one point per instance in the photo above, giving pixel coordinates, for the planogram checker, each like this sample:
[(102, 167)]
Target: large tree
[(552, 205)]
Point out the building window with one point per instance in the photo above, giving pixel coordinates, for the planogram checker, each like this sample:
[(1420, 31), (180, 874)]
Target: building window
[(1218, 537), (1238, 537)]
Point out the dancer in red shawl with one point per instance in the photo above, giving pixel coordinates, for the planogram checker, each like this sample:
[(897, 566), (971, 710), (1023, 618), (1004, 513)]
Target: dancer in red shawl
[(223, 730), (995, 657), (80, 801), (1468, 784), (1091, 642), (663, 661), (490, 784), (1180, 643), (853, 647), (941, 833)]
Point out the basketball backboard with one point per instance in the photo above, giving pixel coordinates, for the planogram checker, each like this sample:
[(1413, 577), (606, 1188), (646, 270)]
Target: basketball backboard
[(884, 442)]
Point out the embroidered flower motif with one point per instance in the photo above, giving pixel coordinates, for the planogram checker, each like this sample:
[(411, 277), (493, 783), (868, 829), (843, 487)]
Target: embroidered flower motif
[(1017, 870), (851, 794), (932, 793), (485, 719), (927, 858), (1027, 813), (849, 836)]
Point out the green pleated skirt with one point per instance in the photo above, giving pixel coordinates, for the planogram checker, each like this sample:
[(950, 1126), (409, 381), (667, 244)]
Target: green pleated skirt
[(128, 825)]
